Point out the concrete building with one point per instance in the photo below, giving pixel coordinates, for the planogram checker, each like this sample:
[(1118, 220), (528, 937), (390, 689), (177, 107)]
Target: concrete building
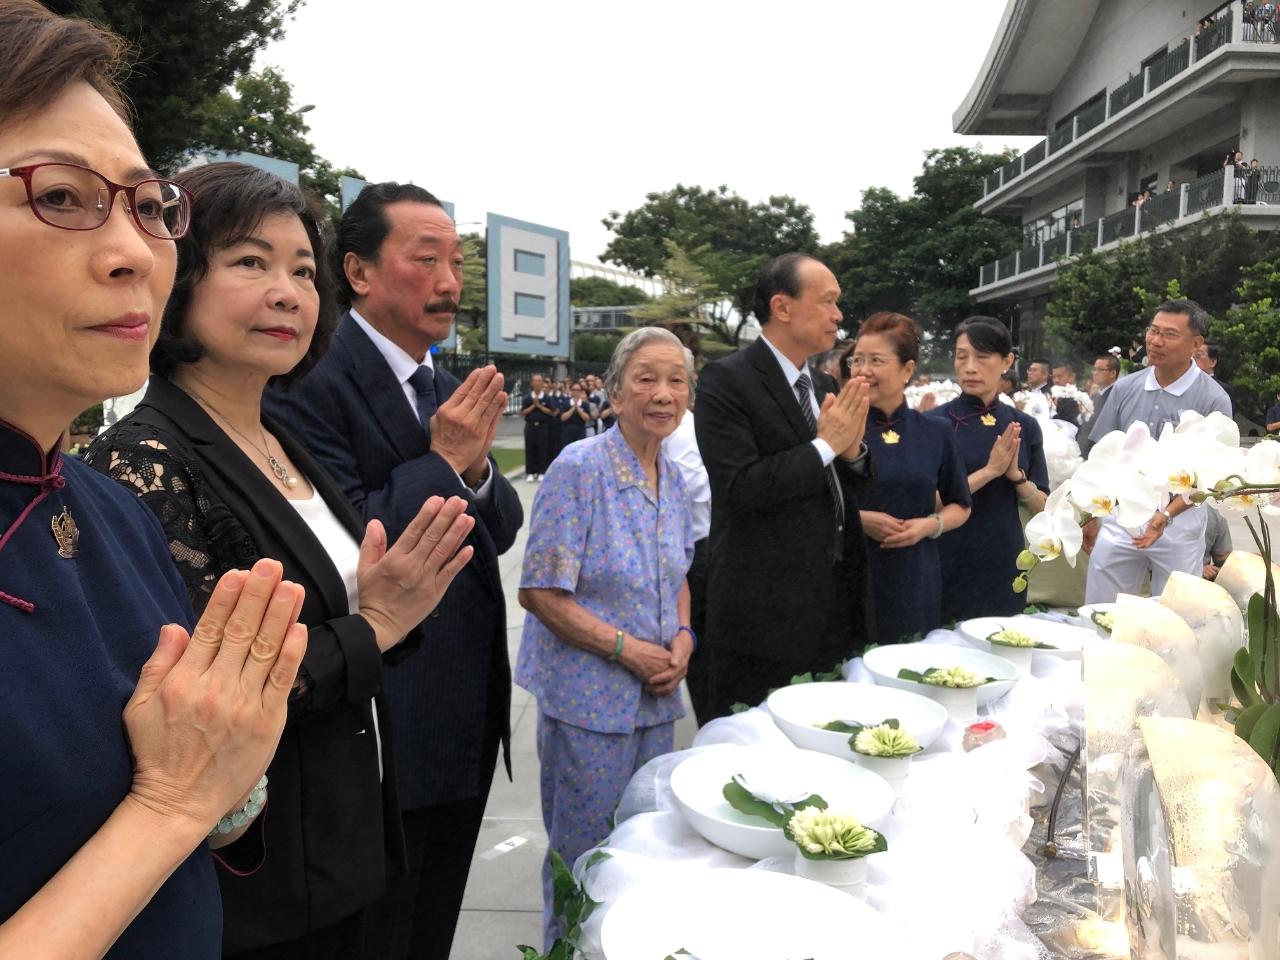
[(1129, 95)]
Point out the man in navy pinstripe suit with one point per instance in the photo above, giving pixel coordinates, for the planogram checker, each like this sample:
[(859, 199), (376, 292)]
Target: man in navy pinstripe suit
[(393, 429)]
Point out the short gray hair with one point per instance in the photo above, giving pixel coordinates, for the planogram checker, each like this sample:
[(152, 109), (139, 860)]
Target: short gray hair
[(632, 342)]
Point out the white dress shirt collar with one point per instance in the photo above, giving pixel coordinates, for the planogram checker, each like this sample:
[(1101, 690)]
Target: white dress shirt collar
[(401, 364), (789, 369), (1179, 386)]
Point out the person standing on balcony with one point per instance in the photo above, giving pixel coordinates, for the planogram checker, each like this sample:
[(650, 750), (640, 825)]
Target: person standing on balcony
[(1235, 167), (1173, 539), (1252, 181)]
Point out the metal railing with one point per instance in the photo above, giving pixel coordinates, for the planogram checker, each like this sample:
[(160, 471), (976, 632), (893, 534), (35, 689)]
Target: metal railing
[(1205, 192), (1266, 188), (1091, 117), (1160, 209), (1170, 65), (1127, 93), (1006, 266), (1030, 258), (1033, 156), (1011, 169), (1216, 36), (1055, 248), (1119, 224), (1257, 27), (1061, 137), (988, 275), (1260, 22), (1084, 238)]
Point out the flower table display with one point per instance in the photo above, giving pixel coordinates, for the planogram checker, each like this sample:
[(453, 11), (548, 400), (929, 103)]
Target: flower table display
[(885, 750), (832, 848)]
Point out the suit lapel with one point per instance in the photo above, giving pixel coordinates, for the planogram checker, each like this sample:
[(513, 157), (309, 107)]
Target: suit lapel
[(775, 383), (382, 391), (232, 471)]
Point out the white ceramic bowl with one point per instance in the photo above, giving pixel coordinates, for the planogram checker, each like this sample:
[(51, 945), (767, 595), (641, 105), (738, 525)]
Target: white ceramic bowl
[(698, 785), (741, 914), (1067, 641), (885, 662), (798, 710), (1087, 612)]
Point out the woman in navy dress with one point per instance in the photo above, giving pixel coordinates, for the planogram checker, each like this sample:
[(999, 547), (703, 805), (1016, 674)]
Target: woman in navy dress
[(128, 735), (1003, 452), (919, 491)]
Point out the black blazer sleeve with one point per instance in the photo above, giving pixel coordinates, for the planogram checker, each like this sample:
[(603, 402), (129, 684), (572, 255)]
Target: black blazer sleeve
[(726, 438), (206, 539)]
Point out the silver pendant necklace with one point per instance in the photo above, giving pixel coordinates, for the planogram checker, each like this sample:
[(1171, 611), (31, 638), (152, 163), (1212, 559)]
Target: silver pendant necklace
[(287, 480)]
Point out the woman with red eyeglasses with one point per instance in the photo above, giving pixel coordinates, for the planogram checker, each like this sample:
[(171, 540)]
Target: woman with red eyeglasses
[(134, 738)]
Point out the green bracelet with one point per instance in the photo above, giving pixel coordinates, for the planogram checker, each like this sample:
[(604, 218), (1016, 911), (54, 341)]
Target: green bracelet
[(617, 647), (253, 806)]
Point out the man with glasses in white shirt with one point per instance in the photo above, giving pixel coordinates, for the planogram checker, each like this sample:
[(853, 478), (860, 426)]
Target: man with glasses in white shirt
[(1173, 539)]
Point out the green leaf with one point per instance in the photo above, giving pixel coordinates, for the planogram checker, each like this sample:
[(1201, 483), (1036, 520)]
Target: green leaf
[(914, 676), (881, 846), (528, 953), (1265, 735), (1248, 719), (744, 802), (839, 726), (1242, 679), (1257, 618)]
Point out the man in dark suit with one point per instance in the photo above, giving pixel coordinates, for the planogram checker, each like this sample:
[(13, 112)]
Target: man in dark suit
[(1106, 371), (786, 588), (393, 430)]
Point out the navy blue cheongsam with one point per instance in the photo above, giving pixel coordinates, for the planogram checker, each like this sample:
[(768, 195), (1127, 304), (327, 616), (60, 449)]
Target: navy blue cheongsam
[(78, 618), (978, 558), (916, 461)]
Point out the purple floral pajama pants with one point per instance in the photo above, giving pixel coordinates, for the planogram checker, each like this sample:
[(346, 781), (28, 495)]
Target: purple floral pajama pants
[(583, 776)]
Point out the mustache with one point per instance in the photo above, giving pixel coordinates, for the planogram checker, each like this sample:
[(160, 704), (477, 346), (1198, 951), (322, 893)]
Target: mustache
[(441, 306)]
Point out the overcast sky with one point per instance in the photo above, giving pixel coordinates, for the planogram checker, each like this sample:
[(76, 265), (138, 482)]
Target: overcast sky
[(558, 112)]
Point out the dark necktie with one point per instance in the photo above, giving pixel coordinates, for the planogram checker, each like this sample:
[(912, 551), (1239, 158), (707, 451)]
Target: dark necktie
[(423, 381), (803, 390)]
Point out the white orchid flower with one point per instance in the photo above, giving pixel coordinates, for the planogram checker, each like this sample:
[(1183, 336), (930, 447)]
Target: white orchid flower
[(1055, 531), (1115, 487), (1216, 425), (1190, 462)]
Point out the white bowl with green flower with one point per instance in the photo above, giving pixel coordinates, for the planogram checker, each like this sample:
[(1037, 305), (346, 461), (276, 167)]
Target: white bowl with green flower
[(886, 750), (958, 677), (1007, 637), (822, 716), (832, 847), (1099, 616)]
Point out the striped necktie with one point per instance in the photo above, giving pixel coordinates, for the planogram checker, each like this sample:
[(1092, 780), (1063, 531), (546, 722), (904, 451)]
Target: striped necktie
[(804, 389), (423, 382)]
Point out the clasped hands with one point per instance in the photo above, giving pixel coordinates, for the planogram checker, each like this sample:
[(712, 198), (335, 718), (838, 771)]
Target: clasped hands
[(658, 668), (463, 427), (893, 532), (842, 419)]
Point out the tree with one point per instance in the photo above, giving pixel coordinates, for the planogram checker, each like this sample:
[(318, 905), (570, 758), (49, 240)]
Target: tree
[(725, 235), (602, 292), (257, 115), (693, 299), (1101, 300), (1249, 339), (920, 254), (188, 53)]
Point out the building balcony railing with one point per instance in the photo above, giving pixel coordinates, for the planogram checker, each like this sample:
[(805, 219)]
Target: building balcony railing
[(1219, 33), (1117, 225), (1184, 56), (1061, 137), (1161, 210), (1214, 190), (1091, 117), (1055, 247), (1170, 65), (1207, 191), (1127, 94)]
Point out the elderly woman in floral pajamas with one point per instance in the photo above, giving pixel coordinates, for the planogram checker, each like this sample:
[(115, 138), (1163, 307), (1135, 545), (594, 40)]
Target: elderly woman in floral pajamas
[(607, 637)]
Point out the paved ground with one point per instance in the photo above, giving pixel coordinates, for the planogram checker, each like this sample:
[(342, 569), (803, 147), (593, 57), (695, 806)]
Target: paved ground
[(503, 904)]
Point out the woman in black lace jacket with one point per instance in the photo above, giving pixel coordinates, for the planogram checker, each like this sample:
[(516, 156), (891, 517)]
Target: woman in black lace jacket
[(251, 303)]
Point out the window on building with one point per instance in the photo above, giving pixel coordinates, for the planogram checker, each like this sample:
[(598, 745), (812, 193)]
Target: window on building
[(534, 263), (1054, 224), (528, 305)]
